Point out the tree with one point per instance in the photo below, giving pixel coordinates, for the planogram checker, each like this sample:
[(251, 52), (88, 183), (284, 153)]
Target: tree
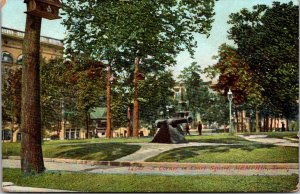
[(267, 39), (77, 85), (190, 77), (157, 94), (234, 73), (31, 143), (133, 30), (11, 95)]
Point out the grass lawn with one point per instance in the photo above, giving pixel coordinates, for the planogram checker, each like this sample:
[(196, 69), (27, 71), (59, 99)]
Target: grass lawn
[(280, 135), (101, 140), (217, 138), (152, 183), (105, 149), (87, 151), (252, 153)]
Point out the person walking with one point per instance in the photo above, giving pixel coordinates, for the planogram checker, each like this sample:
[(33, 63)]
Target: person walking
[(200, 128), (187, 129)]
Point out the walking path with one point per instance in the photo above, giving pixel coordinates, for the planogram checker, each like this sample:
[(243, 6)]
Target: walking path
[(149, 150), (10, 187), (269, 140), (164, 168)]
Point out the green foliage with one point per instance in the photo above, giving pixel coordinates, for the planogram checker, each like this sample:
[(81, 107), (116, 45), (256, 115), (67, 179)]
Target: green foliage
[(120, 32), (11, 95), (75, 85), (234, 74), (135, 28), (212, 107), (156, 92), (196, 92), (267, 40), (140, 183)]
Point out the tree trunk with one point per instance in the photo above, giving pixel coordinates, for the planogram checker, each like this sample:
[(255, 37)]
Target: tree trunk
[(87, 125), (257, 120), (249, 124), (237, 121), (268, 123), (108, 111), (242, 121), (31, 143), (287, 125), (271, 124), (135, 100), (128, 123)]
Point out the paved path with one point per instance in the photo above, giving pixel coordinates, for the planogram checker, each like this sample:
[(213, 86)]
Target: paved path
[(170, 168), (10, 187), (149, 150), (269, 140)]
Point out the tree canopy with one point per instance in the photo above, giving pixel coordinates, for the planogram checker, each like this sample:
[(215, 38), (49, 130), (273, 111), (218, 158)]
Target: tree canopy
[(267, 39)]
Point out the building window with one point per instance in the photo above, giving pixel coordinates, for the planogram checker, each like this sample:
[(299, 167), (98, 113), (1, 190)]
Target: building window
[(19, 137), (20, 60), (6, 134), (6, 57)]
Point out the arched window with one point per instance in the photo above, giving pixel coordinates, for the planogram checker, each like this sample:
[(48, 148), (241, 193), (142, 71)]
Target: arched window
[(20, 60), (6, 57)]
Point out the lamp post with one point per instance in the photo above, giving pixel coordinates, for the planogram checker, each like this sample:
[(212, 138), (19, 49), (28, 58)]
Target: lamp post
[(230, 97)]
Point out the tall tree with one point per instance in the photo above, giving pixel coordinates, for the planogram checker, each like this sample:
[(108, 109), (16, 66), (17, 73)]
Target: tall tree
[(191, 78), (267, 38), (134, 30), (234, 73), (31, 143), (157, 94)]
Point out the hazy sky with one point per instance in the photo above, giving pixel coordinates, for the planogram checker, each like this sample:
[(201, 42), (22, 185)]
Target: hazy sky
[(13, 16)]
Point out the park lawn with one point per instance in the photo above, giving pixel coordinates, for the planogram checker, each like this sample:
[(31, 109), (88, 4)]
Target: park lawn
[(89, 148), (151, 183), (86, 151), (250, 153), (280, 135), (218, 138), (101, 140)]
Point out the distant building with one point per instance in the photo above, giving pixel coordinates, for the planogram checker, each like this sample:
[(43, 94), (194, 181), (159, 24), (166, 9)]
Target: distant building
[(12, 43), (98, 117), (12, 58)]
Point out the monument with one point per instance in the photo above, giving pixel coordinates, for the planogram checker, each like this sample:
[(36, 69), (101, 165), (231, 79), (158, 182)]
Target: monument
[(170, 130)]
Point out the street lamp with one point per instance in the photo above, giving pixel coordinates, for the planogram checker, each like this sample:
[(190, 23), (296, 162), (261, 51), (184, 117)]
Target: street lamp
[(230, 97)]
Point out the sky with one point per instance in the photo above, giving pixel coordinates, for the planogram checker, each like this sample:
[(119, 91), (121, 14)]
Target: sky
[(13, 16)]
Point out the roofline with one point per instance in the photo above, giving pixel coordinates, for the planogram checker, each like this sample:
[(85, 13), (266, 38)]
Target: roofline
[(24, 33)]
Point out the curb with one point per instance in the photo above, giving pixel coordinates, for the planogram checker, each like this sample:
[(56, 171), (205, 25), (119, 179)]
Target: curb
[(240, 166)]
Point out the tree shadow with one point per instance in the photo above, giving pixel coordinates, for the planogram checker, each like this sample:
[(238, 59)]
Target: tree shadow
[(230, 140), (95, 151), (179, 154)]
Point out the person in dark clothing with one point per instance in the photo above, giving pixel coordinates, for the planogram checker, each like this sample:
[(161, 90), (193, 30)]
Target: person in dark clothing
[(282, 126), (200, 128), (187, 129)]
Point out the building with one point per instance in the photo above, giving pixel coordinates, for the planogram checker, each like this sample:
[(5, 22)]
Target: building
[(12, 42), (12, 58)]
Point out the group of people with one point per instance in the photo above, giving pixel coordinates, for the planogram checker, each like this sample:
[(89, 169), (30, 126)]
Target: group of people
[(199, 127)]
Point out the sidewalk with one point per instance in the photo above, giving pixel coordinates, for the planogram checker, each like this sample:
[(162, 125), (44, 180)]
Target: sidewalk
[(167, 168), (149, 150), (10, 187)]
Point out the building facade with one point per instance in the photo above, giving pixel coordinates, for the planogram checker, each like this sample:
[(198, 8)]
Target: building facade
[(12, 58)]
